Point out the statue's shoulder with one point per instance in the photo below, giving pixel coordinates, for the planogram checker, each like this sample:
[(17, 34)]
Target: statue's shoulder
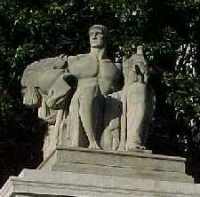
[(76, 58)]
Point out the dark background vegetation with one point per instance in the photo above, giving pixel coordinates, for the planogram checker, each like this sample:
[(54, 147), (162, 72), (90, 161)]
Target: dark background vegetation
[(170, 32)]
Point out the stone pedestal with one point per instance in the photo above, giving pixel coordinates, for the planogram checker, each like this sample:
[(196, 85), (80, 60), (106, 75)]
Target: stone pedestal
[(96, 173), (123, 164)]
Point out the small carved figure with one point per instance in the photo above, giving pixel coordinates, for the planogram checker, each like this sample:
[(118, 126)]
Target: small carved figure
[(137, 102)]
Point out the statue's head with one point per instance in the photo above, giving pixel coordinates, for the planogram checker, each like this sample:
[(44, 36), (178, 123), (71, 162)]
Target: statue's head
[(98, 35)]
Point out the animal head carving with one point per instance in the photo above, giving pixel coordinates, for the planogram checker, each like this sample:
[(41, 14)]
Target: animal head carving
[(39, 76)]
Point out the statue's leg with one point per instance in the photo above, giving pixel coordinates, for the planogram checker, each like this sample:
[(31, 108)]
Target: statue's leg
[(86, 112)]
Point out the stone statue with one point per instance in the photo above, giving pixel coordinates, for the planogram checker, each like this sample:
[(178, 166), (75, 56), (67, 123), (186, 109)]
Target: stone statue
[(80, 98), (36, 81), (95, 75), (137, 103)]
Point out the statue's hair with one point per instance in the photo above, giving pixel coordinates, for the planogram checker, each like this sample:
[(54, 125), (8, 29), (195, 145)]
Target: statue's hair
[(101, 27)]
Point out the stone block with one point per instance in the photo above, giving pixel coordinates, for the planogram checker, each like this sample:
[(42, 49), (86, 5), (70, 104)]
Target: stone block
[(124, 164), (79, 172), (42, 183)]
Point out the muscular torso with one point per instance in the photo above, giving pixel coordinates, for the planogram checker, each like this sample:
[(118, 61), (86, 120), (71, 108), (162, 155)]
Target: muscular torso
[(108, 75), (85, 67)]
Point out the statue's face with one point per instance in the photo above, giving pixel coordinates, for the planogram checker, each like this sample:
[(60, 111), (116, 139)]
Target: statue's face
[(97, 38)]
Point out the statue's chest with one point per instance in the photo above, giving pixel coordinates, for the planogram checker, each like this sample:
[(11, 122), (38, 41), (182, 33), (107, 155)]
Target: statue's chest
[(107, 70), (85, 67)]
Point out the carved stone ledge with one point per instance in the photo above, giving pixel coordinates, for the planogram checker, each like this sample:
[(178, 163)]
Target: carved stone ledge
[(139, 164), (39, 183)]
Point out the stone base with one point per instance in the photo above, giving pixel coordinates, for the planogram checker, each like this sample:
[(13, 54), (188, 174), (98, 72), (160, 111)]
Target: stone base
[(140, 164), (39, 183), (96, 173)]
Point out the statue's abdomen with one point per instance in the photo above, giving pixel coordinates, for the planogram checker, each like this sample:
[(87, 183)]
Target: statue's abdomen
[(107, 76)]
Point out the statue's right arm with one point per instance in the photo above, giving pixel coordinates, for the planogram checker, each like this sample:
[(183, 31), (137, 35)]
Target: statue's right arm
[(61, 90), (58, 94)]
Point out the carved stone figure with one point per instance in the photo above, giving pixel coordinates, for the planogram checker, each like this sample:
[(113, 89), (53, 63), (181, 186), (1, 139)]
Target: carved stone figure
[(95, 75), (37, 79), (79, 97), (137, 99)]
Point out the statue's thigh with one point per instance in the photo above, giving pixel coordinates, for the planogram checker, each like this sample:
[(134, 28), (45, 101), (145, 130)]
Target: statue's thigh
[(87, 95)]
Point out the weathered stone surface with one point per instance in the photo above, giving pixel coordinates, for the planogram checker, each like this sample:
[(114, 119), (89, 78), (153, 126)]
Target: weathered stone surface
[(81, 172), (77, 97), (36, 81), (80, 99), (113, 163), (137, 103), (35, 183)]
